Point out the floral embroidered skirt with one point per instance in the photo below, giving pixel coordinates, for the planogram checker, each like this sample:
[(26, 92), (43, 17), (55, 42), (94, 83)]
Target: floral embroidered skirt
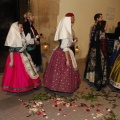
[(115, 73), (22, 76), (59, 77)]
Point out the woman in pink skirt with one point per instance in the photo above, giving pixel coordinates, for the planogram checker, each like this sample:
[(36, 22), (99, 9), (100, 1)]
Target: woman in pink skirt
[(20, 74), (61, 74)]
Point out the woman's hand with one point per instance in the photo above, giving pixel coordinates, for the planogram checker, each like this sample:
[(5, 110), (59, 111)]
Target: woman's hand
[(67, 58), (11, 64), (67, 63), (118, 46), (11, 60), (75, 39), (37, 42)]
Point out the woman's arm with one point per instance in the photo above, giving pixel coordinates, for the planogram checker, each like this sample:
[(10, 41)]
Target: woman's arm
[(36, 42), (67, 58), (106, 27), (117, 45), (11, 60), (65, 45)]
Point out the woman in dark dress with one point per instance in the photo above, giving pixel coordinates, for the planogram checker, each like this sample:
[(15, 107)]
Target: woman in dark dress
[(34, 48), (96, 66), (115, 71), (117, 30)]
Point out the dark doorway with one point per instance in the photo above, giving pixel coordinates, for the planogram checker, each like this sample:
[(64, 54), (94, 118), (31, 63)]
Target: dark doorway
[(10, 11)]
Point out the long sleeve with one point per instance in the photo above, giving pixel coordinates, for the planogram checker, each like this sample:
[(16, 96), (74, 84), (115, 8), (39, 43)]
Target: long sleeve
[(65, 44)]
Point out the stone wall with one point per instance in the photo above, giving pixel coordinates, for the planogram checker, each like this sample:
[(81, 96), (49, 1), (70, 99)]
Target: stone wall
[(46, 12)]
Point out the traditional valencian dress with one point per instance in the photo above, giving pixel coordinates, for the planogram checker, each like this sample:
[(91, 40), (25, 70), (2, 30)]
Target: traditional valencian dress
[(96, 66), (22, 76), (33, 49), (115, 71), (58, 76)]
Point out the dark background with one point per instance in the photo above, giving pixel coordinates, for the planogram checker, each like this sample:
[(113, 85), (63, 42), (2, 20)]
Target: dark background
[(10, 11)]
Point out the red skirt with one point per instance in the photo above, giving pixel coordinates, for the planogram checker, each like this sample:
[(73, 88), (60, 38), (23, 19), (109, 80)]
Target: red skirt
[(59, 77), (16, 79)]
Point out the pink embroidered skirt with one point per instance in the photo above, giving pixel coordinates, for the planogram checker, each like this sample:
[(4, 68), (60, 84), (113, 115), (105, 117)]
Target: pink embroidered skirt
[(16, 79)]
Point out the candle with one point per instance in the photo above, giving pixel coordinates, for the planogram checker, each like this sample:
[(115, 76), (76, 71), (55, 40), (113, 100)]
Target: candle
[(45, 47), (77, 49)]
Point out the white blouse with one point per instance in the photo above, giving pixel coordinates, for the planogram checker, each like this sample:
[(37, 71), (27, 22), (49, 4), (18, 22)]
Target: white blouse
[(66, 43), (29, 39)]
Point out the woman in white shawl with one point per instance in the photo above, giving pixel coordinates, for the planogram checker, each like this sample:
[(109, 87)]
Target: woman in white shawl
[(61, 73), (20, 74)]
